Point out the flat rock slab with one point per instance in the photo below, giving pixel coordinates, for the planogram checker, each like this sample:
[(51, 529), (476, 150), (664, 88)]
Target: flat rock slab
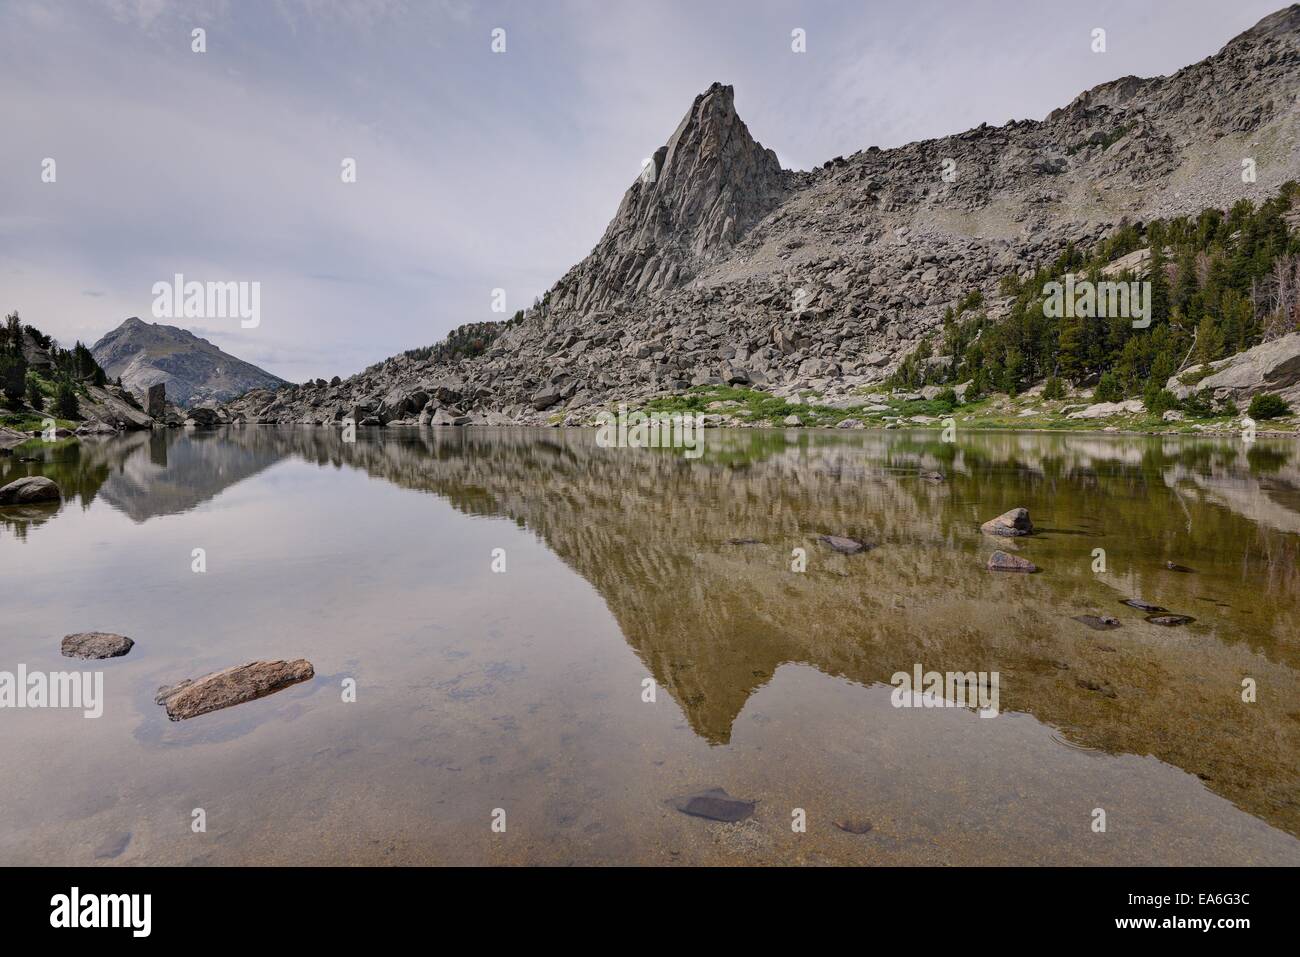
[(1098, 622), (224, 689), (714, 804), (1009, 524), (1141, 605), (33, 490), (1170, 621), (845, 546), (95, 644), (1002, 562)]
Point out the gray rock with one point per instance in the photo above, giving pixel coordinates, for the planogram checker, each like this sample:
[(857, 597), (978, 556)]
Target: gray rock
[(1269, 367), (33, 490), (545, 397), (1009, 524), (844, 545), (203, 418)]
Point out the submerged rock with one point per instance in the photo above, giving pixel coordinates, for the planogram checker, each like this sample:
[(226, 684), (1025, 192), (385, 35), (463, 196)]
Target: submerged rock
[(95, 644), (715, 804), (1170, 621), (223, 689), (843, 545), (1009, 524), (33, 490), (1002, 562), (853, 825), (1101, 687), (1098, 622), (1141, 605)]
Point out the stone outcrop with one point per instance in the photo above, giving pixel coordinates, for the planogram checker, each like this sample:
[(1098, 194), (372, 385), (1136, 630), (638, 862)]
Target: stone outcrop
[(1268, 367), (224, 689)]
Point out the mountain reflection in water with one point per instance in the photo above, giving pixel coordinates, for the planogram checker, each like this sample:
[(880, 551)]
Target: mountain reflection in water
[(692, 559)]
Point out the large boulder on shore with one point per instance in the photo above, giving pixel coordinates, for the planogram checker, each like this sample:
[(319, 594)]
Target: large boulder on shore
[(1104, 410), (12, 438), (1009, 524), (203, 418), (156, 403), (224, 689), (1268, 367), (33, 490), (545, 397)]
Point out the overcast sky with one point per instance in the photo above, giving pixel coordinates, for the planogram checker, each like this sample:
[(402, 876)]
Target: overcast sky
[(475, 170)]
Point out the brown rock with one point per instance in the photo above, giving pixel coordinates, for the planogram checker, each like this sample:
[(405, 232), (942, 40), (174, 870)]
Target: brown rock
[(853, 825), (222, 689), (95, 644)]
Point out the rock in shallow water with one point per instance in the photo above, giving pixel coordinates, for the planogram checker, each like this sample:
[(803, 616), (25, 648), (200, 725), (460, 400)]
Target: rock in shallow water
[(843, 545), (715, 804), (853, 825), (223, 689), (1098, 622), (1002, 562), (33, 490), (1141, 605), (1009, 524), (95, 644), (1170, 621)]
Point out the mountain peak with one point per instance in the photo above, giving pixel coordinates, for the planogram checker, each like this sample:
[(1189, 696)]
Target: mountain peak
[(193, 369), (695, 199)]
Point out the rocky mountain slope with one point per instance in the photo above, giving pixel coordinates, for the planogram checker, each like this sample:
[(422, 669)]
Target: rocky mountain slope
[(192, 369), (721, 267)]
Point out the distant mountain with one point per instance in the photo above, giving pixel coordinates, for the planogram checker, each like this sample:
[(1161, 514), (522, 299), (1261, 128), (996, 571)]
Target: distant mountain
[(193, 369)]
